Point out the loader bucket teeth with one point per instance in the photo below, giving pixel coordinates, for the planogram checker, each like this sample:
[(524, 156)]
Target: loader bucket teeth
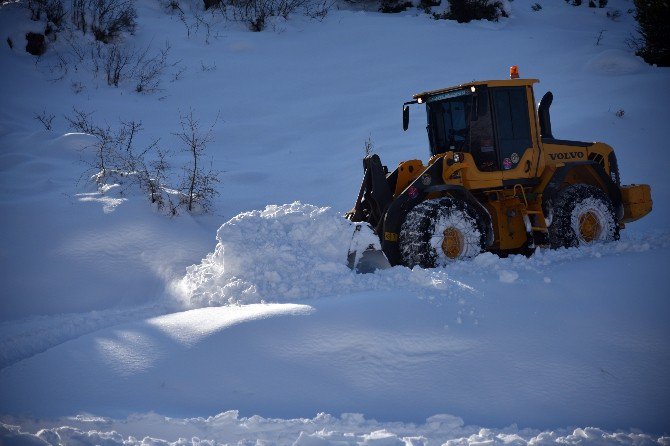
[(364, 257), (370, 261)]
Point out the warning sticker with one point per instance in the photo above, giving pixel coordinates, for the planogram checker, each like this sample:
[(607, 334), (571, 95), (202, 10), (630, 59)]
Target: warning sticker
[(391, 236), (514, 157), (507, 163), (426, 180)]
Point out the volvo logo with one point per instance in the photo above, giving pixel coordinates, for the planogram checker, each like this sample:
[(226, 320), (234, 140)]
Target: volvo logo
[(566, 156)]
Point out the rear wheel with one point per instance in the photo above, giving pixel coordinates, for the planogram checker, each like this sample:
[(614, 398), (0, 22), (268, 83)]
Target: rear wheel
[(440, 231), (581, 215)]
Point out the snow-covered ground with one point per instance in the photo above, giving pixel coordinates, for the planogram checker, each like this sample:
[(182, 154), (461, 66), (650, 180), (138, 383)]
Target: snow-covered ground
[(119, 323)]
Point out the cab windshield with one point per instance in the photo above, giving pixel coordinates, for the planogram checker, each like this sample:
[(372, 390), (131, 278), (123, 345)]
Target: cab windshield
[(448, 120)]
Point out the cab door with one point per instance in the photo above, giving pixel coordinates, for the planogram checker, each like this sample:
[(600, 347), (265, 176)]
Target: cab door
[(517, 155)]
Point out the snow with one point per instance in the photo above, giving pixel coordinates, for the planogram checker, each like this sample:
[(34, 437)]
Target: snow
[(615, 62), (121, 325), (532, 355), (507, 276), (323, 429), (302, 245)]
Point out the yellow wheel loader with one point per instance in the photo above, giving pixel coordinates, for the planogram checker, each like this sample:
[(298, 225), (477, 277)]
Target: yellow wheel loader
[(497, 180)]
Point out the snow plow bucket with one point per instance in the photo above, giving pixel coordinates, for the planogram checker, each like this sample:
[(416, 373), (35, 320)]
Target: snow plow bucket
[(636, 200), (365, 254)]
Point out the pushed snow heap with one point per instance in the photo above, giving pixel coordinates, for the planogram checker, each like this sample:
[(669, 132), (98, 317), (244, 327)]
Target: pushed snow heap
[(282, 252)]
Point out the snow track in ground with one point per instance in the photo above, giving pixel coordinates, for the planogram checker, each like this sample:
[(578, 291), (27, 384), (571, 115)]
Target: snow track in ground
[(27, 337)]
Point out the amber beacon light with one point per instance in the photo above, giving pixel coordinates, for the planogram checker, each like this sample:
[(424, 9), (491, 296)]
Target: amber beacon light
[(514, 72)]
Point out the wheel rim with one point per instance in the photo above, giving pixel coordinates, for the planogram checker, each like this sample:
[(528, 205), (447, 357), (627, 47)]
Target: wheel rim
[(452, 242), (589, 226)]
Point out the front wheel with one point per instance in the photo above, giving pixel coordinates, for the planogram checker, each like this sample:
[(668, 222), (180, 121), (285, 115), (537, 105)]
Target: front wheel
[(582, 215), (440, 231)]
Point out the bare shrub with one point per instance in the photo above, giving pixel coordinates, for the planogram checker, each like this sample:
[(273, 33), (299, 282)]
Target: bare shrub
[(426, 5), (130, 166), (45, 119), (53, 10), (116, 160), (78, 15), (35, 7), (153, 178), (82, 122), (105, 145), (198, 184), (105, 19), (148, 70), (318, 9), (464, 11), (125, 157), (199, 19), (211, 4), (150, 176), (394, 6), (174, 6), (178, 72), (207, 68), (614, 15), (111, 17), (255, 13), (116, 63), (368, 146)]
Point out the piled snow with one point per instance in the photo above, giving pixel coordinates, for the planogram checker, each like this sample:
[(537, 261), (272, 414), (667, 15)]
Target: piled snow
[(349, 429), (283, 252)]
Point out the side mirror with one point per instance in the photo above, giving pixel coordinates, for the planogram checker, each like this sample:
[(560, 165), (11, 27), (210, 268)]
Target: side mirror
[(405, 117)]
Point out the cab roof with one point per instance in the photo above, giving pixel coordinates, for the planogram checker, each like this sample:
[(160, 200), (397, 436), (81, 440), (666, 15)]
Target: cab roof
[(489, 83)]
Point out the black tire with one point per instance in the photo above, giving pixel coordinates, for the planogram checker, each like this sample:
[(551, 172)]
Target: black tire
[(581, 215), (440, 231)]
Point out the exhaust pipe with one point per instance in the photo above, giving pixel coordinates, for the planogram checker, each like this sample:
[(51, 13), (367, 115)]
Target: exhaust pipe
[(543, 115)]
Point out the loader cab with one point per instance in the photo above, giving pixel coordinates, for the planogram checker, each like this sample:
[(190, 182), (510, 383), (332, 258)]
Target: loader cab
[(494, 121), (461, 122)]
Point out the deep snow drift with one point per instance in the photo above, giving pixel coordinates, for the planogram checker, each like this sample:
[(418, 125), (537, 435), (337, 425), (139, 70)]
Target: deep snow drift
[(106, 317)]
